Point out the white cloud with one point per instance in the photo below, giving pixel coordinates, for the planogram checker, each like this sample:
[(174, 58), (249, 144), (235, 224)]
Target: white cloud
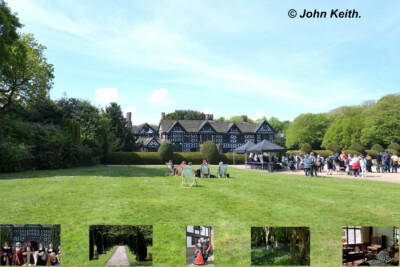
[(207, 110), (159, 97), (106, 95), (259, 114)]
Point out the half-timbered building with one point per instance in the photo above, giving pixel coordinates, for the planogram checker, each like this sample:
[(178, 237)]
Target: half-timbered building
[(189, 135)]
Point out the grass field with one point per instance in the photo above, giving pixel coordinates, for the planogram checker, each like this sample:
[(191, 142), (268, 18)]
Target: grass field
[(77, 198)]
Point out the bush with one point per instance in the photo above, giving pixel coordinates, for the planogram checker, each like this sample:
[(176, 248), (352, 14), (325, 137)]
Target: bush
[(306, 148), (323, 153), (166, 151), (391, 151), (210, 152), (228, 158), (130, 242), (91, 245), (193, 157), (352, 152), (105, 245), (99, 243), (141, 247), (357, 147), (13, 156), (377, 147), (371, 152), (333, 147), (394, 146)]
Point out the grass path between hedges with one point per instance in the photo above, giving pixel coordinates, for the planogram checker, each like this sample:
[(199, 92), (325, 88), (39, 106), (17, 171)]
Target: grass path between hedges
[(142, 195)]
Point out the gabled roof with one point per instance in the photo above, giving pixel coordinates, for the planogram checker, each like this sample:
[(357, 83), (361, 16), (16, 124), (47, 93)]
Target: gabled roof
[(146, 141), (194, 126), (137, 128)]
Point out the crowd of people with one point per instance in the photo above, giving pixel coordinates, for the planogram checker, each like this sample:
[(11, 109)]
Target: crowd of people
[(27, 256), (311, 164)]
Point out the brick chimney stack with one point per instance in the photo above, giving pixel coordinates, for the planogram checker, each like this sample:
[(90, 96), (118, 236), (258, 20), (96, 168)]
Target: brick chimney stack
[(244, 118), (162, 115), (129, 119)]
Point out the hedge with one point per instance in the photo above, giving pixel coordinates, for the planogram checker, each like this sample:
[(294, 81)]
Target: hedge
[(296, 152), (391, 151), (352, 152), (377, 148), (371, 152), (323, 153), (394, 146), (152, 158)]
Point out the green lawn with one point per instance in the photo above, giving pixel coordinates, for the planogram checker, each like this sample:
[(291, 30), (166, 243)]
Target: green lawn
[(77, 198)]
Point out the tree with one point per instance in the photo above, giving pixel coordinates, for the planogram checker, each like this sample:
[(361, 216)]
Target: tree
[(304, 253), (55, 234), (306, 128), (210, 152), (9, 23), (141, 246), (333, 147), (91, 244), (306, 148), (185, 115), (124, 137), (26, 76), (381, 123), (99, 242), (377, 147), (166, 151), (105, 245), (292, 258), (238, 119), (345, 131), (394, 146), (277, 124)]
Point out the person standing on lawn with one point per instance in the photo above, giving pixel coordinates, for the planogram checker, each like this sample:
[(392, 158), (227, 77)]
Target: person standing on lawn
[(378, 158), (395, 162), (363, 166), (356, 165), (368, 158), (312, 163), (330, 161), (306, 165)]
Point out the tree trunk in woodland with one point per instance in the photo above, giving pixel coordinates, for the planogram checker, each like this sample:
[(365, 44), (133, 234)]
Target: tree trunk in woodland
[(292, 258), (303, 241)]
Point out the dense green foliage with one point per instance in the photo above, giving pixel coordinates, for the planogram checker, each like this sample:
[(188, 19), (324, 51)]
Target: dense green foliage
[(392, 151), (166, 151), (26, 76), (323, 153), (377, 147), (73, 128), (394, 146), (185, 115), (306, 128), (357, 147), (333, 147), (353, 152), (5, 236), (141, 246), (371, 152), (99, 242), (55, 235), (210, 152), (105, 245), (9, 23), (306, 147)]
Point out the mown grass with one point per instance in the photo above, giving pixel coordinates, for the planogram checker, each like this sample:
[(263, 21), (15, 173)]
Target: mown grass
[(77, 198)]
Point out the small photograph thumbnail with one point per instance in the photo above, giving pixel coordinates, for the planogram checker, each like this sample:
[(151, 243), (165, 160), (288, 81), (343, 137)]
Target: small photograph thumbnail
[(370, 246), (30, 244), (199, 245), (121, 245), (280, 246)]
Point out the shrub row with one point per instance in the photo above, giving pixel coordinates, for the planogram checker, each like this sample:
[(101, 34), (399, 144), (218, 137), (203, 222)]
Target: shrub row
[(153, 158), (323, 153)]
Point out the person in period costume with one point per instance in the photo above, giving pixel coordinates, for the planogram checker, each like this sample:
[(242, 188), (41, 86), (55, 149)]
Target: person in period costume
[(51, 256), (6, 255), (41, 256), (29, 253), (59, 255), (206, 249), (18, 258), (198, 255)]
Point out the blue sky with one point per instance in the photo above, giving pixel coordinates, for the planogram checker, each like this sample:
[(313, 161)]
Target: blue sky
[(223, 57)]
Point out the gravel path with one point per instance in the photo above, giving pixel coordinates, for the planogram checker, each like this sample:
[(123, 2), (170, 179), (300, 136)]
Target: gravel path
[(119, 258)]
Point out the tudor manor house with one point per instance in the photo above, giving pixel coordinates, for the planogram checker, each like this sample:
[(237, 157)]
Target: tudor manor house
[(189, 135)]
